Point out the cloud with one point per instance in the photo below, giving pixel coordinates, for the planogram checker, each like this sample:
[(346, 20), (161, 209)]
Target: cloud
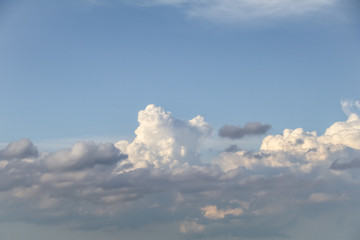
[(300, 150), (84, 155), (232, 148), (251, 128), (162, 140), (349, 107), (191, 227), (23, 148), (162, 181), (213, 212), (244, 10), (339, 166)]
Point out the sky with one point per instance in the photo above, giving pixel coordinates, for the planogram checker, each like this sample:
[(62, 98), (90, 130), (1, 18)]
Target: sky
[(179, 119)]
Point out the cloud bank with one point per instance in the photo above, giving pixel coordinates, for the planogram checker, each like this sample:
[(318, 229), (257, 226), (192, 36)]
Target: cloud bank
[(158, 178)]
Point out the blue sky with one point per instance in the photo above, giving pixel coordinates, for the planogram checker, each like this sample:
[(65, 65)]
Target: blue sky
[(89, 70), (74, 68)]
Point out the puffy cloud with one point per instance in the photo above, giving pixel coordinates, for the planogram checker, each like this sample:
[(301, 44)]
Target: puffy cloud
[(344, 133), (163, 182), (23, 148), (240, 10), (84, 155), (336, 138), (162, 140), (251, 128), (301, 150)]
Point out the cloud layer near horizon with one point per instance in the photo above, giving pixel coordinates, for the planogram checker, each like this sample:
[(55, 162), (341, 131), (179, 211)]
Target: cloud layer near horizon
[(159, 178)]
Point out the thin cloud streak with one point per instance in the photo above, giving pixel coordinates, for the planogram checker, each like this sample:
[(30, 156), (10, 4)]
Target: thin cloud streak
[(244, 10)]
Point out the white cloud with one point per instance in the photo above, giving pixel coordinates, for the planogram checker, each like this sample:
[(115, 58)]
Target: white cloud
[(240, 10), (337, 136), (349, 107), (162, 140), (298, 149)]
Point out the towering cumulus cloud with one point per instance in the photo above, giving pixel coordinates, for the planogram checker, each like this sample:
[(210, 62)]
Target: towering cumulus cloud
[(157, 182), (162, 140)]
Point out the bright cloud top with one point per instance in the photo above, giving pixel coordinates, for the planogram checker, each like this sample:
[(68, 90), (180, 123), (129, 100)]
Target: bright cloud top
[(298, 149), (159, 178), (162, 140), (237, 10)]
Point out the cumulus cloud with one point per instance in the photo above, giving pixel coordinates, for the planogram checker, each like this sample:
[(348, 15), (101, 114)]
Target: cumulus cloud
[(162, 140), (84, 155), (158, 178), (23, 148), (237, 132), (241, 10), (301, 150)]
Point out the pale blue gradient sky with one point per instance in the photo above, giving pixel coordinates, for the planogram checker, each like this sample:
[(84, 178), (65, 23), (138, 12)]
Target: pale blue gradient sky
[(79, 70), (72, 69)]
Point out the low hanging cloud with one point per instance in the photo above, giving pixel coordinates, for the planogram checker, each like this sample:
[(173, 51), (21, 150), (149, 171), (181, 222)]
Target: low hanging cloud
[(159, 179), (23, 148), (249, 129), (243, 10), (84, 155)]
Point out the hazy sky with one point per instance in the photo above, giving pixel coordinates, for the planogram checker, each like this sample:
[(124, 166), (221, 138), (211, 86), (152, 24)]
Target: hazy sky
[(179, 119)]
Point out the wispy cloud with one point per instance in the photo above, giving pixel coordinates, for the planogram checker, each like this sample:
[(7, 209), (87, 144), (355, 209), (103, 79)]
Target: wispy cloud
[(349, 107), (243, 10)]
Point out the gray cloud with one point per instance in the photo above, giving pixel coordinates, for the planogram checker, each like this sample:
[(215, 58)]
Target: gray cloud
[(84, 155), (353, 164), (23, 148), (80, 185), (237, 132), (232, 148)]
